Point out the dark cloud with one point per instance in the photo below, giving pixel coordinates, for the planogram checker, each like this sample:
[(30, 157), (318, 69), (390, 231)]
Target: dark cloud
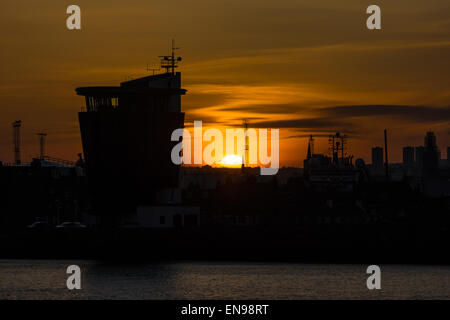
[(410, 113), (339, 118), (323, 124), (307, 135), (196, 101), (239, 122), (267, 108), (206, 119), (325, 121)]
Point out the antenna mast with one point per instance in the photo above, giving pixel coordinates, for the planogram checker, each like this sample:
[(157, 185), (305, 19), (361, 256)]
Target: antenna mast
[(246, 147), (42, 137), (16, 137), (337, 147), (170, 62)]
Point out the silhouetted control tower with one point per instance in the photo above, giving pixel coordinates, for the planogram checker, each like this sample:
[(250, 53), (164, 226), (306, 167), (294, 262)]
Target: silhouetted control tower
[(126, 136)]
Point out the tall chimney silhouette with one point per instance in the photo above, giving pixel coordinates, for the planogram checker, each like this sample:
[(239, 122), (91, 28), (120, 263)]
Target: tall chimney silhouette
[(386, 161), (16, 137)]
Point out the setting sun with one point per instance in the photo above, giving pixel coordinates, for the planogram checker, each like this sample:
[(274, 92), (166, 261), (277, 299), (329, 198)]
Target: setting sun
[(231, 160)]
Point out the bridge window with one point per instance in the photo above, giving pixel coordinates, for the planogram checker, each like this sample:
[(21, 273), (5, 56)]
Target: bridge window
[(101, 103)]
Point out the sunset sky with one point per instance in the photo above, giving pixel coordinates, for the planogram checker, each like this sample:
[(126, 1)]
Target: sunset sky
[(305, 67)]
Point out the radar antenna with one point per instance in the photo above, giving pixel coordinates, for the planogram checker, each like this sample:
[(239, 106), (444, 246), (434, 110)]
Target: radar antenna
[(170, 62)]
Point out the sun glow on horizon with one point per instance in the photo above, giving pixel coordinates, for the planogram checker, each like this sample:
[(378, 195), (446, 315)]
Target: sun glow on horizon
[(231, 160)]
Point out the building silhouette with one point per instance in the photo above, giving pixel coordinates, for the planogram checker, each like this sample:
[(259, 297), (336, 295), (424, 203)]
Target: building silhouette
[(448, 155), (430, 140), (377, 158), (408, 156), (431, 154), (419, 156), (126, 137)]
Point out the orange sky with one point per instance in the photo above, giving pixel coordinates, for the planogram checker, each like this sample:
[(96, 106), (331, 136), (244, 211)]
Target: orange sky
[(301, 66)]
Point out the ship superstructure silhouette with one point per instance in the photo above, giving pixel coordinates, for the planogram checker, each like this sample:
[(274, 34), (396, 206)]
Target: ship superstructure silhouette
[(126, 137)]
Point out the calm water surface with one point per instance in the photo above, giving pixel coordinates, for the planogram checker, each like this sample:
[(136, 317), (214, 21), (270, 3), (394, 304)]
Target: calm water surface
[(46, 279)]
